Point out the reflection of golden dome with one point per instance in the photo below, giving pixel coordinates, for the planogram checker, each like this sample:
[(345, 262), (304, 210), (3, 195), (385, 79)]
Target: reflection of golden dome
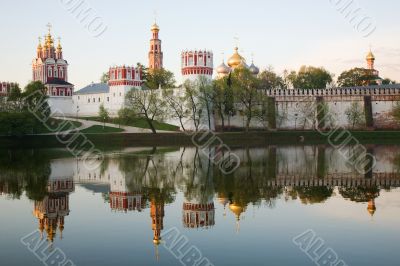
[(223, 201), (235, 59), (370, 56), (155, 27), (236, 209), (371, 207)]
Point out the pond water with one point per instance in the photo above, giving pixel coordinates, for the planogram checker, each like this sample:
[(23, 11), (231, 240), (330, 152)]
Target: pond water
[(284, 205)]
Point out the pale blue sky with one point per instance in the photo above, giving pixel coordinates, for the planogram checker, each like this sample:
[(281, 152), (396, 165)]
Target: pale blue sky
[(283, 34)]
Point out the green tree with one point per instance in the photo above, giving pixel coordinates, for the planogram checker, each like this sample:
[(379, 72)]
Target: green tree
[(193, 103), (105, 77), (356, 77), (270, 80), (355, 115), (309, 77), (148, 104), (176, 106), (206, 96), (35, 100), (245, 87), (103, 114), (388, 81), (157, 78)]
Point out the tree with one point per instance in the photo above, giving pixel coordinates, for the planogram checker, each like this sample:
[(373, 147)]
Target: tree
[(105, 77), (126, 116), (310, 77), (35, 100), (193, 103), (356, 77), (206, 96), (157, 78), (103, 114), (176, 106), (270, 80), (219, 88), (245, 87), (388, 81), (263, 112), (396, 111), (355, 115), (148, 104)]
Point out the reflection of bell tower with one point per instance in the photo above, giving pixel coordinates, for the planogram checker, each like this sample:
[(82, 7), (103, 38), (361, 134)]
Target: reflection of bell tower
[(51, 211), (157, 219), (371, 207)]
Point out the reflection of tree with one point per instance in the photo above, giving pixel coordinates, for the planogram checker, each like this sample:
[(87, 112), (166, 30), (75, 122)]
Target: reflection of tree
[(359, 194), (21, 170), (311, 195)]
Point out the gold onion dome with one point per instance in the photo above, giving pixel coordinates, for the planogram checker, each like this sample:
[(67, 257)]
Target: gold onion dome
[(370, 56), (155, 27), (40, 44), (235, 59), (223, 69), (59, 47), (243, 65), (253, 69)]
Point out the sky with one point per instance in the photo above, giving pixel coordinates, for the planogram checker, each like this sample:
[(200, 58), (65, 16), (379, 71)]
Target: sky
[(280, 34)]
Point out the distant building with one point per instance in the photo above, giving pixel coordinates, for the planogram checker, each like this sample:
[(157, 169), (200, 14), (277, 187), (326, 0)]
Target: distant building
[(235, 61), (155, 53), (87, 101), (51, 69), (5, 88), (371, 67)]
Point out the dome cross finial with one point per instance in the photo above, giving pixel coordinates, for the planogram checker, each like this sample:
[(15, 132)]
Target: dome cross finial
[(49, 27)]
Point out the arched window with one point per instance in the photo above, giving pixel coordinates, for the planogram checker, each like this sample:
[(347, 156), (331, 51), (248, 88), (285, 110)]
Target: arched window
[(49, 72), (55, 73)]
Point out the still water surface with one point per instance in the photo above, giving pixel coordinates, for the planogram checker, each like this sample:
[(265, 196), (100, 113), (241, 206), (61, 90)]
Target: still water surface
[(122, 212)]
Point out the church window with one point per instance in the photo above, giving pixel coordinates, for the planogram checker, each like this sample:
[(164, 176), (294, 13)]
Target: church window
[(49, 74), (108, 99), (88, 100), (99, 100), (120, 94), (55, 73), (94, 100), (61, 92)]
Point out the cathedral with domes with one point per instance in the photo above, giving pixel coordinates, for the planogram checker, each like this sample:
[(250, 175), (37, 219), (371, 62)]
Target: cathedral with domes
[(236, 61)]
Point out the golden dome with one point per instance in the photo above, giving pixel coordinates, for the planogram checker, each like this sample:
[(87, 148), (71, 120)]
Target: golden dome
[(59, 47), (236, 209), (157, 241), (235, 59), (155, 27), (370, 56), (40, 44)]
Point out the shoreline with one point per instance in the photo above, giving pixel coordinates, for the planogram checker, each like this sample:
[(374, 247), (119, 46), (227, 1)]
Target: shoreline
[(232, 139)]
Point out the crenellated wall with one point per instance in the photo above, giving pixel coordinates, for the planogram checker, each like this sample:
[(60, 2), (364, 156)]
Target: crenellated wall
[(297, 109)]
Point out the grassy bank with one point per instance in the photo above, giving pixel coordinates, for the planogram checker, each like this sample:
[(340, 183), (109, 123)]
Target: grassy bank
[(134, 122), (237, 139)]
